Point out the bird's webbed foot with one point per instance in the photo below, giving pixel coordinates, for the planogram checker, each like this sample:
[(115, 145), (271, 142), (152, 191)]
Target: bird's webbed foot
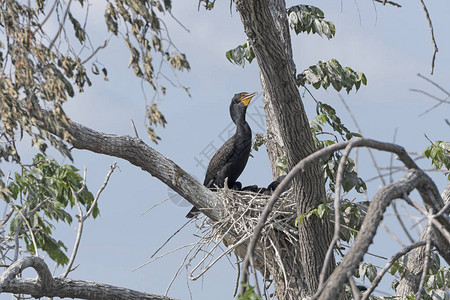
[(237, 186)]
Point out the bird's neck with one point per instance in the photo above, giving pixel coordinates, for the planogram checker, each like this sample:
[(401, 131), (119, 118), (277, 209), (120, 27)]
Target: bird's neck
[(242, 127)]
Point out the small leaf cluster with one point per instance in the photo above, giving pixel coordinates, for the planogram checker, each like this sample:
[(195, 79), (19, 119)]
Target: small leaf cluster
[(331, 72), (154, 117), (142, 20), (44, 193), (144, 36), (281, 164), (439, 153), (353, 215), (258, 141), (240, 54), (366, 270), (249, 294), (208, 4), (318, 212), (437, 281), (310, 19), (326, 115)]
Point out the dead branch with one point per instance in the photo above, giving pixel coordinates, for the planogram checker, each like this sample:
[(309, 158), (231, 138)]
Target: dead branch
[(46, 285), (82, 217), (432, 35), (384, 2)]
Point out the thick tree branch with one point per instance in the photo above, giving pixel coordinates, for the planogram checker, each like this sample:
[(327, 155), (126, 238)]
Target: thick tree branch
[(46, 285), (301, 166), (148, 159), (413, 179)]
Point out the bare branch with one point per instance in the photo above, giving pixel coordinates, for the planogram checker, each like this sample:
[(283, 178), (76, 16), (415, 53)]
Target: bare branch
[(412, 179), (95, 52), (378, 169), (37, 263), (46, 285), (384, 2), (82, 218), (309, 160), (100, 190), (432, 35), (61, 26)]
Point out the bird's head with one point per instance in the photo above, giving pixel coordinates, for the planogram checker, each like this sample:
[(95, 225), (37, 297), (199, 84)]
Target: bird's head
[(239, 105), (243, 98)]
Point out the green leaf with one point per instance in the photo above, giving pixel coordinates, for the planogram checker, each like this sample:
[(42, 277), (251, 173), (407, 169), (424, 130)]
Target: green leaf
[(331, 72), (439, 153), (240, 54), (308, 18), (46, 180)]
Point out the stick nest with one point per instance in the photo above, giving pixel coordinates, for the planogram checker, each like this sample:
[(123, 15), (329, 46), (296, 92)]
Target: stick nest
[(242, 211)]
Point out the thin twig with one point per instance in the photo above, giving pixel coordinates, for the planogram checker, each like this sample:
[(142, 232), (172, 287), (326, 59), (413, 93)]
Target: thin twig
[(31, 231), (170, 237), (159, 203), (432, 218), (82, 218), (135, 130), (432, 35), (61, 26), (378, 169), (48, 16), (434, 83), (384, 2), (95, 52), (100, 190)]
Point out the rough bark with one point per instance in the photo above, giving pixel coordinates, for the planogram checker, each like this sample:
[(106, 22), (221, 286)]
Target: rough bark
[(148, 159), (46, 285), (289, 134)]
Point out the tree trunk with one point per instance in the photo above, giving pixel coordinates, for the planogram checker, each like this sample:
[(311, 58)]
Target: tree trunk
[(288, 131)]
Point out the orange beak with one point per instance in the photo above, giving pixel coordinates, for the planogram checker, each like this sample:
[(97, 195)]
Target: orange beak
[(247, 97)]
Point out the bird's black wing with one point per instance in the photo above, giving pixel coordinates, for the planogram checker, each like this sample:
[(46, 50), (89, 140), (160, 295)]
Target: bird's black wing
[(218, 162)]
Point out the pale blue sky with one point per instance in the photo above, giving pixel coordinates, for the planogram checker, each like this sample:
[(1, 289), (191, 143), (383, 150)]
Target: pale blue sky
[(390, 45)]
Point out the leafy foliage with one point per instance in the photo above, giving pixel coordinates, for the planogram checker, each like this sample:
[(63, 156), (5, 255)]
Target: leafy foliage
[(43, 193), (259, 140), (366, 270), (331, 72), (353, 215), (39, 72), (439, 153), (208, 4), (308, 18), (249, 294), (318, 212), (240, 54), (326, 115)]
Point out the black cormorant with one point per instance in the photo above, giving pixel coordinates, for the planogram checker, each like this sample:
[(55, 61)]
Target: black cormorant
[(230, 160)]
